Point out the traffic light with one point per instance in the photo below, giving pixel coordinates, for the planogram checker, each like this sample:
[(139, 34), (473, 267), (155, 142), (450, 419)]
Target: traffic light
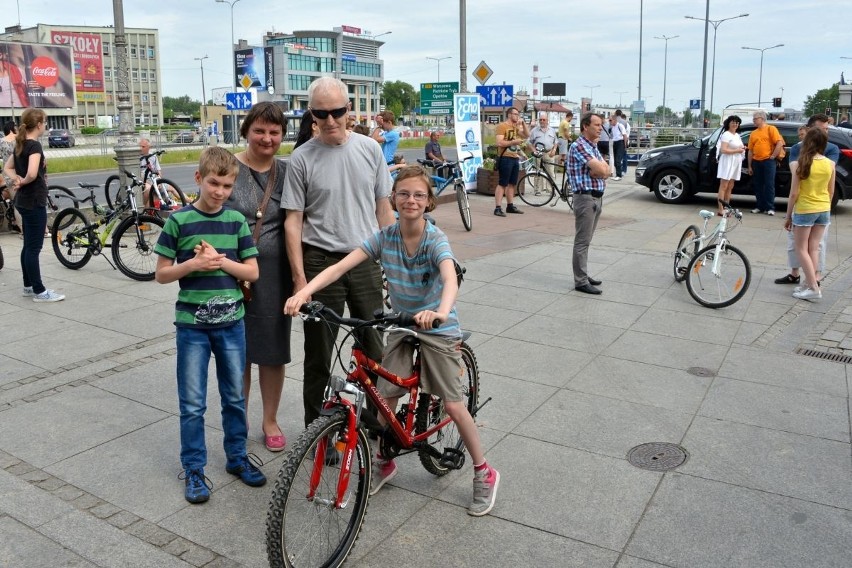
[(776, 102)]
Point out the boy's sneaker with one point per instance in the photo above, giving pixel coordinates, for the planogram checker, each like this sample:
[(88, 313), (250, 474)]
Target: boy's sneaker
[(197, 485), (499, 212), (27, 292), (484, 492), (246, 468), (386, 471), (510, 208), (48, 296)]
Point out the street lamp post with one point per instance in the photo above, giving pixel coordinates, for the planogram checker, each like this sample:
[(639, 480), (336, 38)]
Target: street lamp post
[(126, 148), (203, 101), (760, 82), (234, 69), (438, 60), (715, 24), (665, 71), (591, 90), (619, 93)]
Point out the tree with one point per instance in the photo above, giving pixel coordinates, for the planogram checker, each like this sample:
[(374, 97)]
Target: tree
[(687, 118), (399, 96), (822, 100), (180, 105)]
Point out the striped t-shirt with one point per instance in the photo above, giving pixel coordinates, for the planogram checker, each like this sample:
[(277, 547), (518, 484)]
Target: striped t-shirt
[(414, 282), (207, 299)]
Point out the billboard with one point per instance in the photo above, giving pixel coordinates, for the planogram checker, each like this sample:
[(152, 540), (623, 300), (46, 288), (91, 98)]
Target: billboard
[(554, 89), (88, 63), (254, 67), (39, 76)]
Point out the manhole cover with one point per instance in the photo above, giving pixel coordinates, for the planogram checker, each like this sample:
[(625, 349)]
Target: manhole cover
[(657, 456), (701, 372)]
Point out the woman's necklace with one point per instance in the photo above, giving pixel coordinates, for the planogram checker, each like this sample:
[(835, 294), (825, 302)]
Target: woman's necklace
[(254, 174)]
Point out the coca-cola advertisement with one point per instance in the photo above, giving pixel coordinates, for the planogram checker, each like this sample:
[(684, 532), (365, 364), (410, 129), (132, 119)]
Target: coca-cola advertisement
[(36, 75), (88, 63)]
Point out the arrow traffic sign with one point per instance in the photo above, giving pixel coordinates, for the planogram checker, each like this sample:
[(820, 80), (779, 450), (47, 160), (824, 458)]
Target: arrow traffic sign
[(238, 101), (496, 95)]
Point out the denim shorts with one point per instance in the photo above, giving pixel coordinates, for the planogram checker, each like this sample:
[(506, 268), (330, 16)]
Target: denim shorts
[(811, 219)]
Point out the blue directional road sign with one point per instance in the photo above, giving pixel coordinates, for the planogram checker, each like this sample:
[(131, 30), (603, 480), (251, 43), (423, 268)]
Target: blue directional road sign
[(238, 101), (495, 95)]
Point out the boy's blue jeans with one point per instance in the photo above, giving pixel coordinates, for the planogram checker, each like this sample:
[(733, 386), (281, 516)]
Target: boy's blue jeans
[(194, 346)]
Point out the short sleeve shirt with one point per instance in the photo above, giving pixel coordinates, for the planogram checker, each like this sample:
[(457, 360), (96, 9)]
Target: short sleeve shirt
[(389, 145), (509, 133), (762, 142), (545, 136), (579, 155), (433, 148)]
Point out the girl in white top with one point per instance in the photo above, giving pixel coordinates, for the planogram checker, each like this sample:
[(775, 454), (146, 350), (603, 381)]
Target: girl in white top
[(729, 154)]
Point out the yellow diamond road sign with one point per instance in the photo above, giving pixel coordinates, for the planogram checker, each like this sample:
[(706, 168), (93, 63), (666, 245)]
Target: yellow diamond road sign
[(246, 81), (482, 72)]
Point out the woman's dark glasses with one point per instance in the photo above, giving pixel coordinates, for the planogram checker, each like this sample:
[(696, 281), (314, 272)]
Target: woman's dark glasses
[(323, 114)]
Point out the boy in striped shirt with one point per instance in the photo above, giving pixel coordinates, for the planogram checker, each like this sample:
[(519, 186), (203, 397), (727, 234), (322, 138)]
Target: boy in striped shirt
[(207, 247)]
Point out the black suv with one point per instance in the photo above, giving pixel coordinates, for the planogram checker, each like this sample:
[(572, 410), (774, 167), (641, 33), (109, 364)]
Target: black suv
[(676, 173)]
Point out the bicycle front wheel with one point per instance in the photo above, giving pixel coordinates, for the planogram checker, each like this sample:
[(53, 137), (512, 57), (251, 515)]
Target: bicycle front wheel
[(72, 238), (687, 247), (464, 206), (536, 189), (431, 411), (168, 191), (133, 246), (726, 286), (304, 528)]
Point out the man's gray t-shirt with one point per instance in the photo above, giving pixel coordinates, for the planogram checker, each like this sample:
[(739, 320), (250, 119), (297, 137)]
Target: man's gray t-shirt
[(337, 187)]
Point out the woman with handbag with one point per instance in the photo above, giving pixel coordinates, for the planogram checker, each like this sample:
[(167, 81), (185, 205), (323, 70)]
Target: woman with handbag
[(257, 195)]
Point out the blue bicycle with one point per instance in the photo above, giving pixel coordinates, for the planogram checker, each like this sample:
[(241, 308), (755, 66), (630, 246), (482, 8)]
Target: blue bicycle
[(454, 178)]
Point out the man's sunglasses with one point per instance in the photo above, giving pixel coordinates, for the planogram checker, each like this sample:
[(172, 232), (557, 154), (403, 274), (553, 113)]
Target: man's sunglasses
[(323, 114)]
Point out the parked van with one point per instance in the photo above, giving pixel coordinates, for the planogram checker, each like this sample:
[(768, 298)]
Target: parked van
[(744, 112)]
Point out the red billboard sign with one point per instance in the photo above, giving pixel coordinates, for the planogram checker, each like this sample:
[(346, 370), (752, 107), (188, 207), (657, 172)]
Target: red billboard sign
[(88, 63), (36, 75)]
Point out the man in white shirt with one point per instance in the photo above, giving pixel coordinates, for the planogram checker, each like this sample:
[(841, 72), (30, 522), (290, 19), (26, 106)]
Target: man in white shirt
[(622, 120), (544, 135)]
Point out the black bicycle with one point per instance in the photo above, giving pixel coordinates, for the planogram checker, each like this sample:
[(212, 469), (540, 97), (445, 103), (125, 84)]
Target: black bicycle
[(164, 194), (537, 188), (134, 234)]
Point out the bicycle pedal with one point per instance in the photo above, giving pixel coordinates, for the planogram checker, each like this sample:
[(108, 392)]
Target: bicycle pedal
[(452, 459)]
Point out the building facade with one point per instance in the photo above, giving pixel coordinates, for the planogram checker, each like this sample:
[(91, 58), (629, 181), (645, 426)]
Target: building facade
[(95, 74)]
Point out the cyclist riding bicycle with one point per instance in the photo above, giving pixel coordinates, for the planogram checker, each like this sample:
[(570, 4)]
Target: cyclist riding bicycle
[(421, 281)]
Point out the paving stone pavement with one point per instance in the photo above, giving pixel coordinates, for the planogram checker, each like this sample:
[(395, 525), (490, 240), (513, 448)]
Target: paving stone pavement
[(89, 423)]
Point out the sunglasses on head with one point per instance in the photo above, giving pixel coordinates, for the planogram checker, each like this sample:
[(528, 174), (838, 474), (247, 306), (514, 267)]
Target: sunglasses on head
[(323, 114)]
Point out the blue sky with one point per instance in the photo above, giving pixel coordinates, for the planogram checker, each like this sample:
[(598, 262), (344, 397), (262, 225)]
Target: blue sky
[(580, 43)]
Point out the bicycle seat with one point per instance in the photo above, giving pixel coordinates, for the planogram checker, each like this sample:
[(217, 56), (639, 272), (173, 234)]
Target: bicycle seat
[(427, 163), (88, 185), (706, 214)]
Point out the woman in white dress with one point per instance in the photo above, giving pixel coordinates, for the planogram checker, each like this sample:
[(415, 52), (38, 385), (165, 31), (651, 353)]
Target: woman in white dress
[(729, 154)]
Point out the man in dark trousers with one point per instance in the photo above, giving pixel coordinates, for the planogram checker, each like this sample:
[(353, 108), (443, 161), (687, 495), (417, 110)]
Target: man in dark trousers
[(587, 171)]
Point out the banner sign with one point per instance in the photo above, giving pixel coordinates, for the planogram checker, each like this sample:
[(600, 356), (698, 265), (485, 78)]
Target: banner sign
[(88, 63), (39, 76), (468, 135), (254, 68)]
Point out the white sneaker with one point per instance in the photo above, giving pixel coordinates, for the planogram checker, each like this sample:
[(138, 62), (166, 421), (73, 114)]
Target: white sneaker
[(755, 210), (808, 294), (771, 213), (48, 296), (27, 292)]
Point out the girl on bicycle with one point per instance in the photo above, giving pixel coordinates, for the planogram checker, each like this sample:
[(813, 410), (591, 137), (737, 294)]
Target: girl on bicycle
[(422, 281)]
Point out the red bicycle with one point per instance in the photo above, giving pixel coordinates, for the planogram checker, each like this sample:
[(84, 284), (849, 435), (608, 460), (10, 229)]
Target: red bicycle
[(320, 496)]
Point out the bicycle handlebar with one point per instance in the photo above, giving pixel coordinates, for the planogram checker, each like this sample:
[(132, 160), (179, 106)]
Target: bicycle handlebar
[(152, 154), (734, 211), (383, 321)]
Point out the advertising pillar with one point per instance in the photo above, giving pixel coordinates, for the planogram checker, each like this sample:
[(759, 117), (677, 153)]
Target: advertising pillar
[(468, 135)]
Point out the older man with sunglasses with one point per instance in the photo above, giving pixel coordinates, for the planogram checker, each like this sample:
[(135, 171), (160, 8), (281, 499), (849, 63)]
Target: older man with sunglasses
[(335, 195)]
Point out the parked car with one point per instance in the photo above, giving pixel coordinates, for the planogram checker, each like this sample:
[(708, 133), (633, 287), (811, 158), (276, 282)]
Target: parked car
[(676, 173), (638, 140), (60, 138), (184, 137)]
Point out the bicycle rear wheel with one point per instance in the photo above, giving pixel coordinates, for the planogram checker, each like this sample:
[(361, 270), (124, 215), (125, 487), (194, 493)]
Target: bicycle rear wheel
[(723, 289), (687, 247), (536, 189), (430, 411), (113, 191), (133, 246), (464, 206), (72, 238), (303, 527), (60, 198)]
